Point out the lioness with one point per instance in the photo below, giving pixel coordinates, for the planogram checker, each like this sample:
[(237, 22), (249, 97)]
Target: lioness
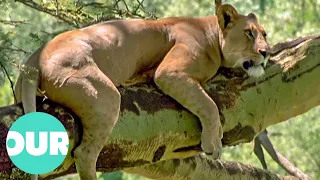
[(81, 69)]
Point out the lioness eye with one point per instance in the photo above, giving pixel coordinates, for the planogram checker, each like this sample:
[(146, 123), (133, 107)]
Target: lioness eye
[(264, 34), (249, 33)]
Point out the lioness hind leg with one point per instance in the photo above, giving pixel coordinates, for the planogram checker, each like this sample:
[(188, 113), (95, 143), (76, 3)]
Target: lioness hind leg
[(97, 125), (145, 77), (96, 100)]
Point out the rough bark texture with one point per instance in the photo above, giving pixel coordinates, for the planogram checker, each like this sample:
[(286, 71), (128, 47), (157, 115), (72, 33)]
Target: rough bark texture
[(153, 127), (201, 168)]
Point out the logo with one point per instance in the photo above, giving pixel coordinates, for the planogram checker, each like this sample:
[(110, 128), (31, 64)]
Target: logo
[(37, 143)]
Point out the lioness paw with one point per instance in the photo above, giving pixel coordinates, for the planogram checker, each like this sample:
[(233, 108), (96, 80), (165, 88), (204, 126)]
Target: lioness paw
[(211, 143), (214, 156), (212, 150)]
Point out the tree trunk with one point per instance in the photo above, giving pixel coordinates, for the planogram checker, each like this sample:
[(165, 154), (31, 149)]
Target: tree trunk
[(153, 127), (200, 167)]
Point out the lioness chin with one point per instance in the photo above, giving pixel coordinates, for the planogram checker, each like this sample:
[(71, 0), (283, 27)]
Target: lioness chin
[(81, 69)]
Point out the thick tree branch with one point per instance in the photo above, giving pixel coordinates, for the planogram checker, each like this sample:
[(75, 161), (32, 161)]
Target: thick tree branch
[(153, 127), (200, 167)]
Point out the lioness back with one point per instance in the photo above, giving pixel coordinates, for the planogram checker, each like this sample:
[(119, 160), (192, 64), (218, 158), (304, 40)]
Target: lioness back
[(121, 48)]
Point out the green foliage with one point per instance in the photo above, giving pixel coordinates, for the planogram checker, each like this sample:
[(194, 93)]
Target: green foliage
[(23, 29), (282, 20)]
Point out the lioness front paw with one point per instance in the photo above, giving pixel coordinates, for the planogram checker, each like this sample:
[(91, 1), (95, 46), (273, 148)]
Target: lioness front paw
[(215, 155), (211, 143), (213, 148)]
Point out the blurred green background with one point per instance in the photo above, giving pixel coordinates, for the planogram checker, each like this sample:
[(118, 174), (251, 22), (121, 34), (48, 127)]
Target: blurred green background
[(23, 29)]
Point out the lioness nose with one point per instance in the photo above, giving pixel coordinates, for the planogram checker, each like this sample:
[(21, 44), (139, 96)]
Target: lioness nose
[(263, 53)]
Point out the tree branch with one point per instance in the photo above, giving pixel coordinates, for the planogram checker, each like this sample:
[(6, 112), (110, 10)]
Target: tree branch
[(153, 127), (279, 158), (78, 17), (67, 18), (200, 167), (10, 81), (217, 3), (12, 22)]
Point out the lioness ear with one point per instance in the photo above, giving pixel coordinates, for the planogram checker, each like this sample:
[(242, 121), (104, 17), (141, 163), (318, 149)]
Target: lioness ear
[(226, 14), (252, 16)]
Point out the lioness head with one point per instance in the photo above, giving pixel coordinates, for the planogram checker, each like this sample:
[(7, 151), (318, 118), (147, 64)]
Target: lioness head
[(244, 44)]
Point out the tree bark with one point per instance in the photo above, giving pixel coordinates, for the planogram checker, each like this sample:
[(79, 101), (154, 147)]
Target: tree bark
[(201, 168), (153, 127)]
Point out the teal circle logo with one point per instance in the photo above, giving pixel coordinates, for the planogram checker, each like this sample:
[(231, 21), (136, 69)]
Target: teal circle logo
[(37, 143)]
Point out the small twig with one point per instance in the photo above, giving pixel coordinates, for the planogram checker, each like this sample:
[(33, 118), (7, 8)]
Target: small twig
[(125, 4), (16, 49), (11, 83), (19, 49), (56, 4), (116, 4), (12, 22), (93, 4), (218, 3), (140, 5), (10, 49)]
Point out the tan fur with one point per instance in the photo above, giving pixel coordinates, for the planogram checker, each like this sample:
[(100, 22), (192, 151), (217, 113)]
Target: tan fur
[(82, 69)]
